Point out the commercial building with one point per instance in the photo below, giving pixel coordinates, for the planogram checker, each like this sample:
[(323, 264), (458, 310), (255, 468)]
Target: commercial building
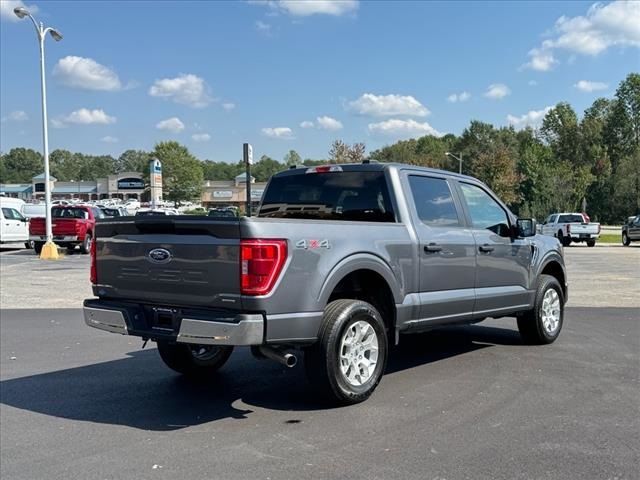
[(128, 185)]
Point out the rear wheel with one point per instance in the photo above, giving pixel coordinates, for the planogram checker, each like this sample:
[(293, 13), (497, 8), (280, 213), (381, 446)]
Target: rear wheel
[(350, 356), (542, 324), (565, 241), (37, 247), (591, 243), (194, 360), (86, 244), (625, 239)]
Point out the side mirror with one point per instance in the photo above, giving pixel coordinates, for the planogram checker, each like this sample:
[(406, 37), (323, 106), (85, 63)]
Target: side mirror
[(527, 227)]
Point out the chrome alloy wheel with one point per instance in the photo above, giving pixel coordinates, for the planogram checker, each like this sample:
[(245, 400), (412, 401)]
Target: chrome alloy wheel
[(550, 311), (358, 353)]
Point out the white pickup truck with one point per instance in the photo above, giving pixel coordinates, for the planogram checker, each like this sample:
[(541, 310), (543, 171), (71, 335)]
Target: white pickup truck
[(571, 227)]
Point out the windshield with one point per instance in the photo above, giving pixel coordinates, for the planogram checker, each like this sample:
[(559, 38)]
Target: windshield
[(354, 196)]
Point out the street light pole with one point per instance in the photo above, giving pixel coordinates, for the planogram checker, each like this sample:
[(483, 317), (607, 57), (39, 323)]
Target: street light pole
[(49, 250), (449, 154)]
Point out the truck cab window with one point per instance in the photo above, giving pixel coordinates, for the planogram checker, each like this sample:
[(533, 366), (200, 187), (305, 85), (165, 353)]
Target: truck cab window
[(434, 202), (485, 211)]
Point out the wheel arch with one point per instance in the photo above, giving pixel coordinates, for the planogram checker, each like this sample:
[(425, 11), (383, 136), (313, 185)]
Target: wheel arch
[(552, 266)]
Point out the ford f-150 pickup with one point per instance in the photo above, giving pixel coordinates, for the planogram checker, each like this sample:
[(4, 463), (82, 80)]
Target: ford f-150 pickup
[(72, 225), (571, 227), (339, 262)]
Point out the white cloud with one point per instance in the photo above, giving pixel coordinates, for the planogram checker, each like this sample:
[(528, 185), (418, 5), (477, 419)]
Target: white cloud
[(284, 133), (587, 86), (497, 91), (542, 60), (109, 139), (306, 8), (7, 6), (228, 106), (80, 72), (615, 24), (388, 105), (532, 118), (201, 137), (84, 116), (459, 97), (328, 123), (173, 125), (306, 124), (186, 89), (16, 116), (532, 83), (263, 27), (402, 129)]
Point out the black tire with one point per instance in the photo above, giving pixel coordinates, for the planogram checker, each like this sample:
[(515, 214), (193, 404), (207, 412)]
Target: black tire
[(86, 244), (37, 247), (191, 360), (27, 245), (322, 360), (531, 325), (565, 241), (625, 239), (591, 243)]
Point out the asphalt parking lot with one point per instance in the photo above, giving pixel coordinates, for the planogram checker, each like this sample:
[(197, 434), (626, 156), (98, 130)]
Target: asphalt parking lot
[(459, 403)]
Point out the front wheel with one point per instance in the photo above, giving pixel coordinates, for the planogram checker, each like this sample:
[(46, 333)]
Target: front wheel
[(194, 360), (37, 247), (350, 356), (591, 243), (542, 324), (625, 239)]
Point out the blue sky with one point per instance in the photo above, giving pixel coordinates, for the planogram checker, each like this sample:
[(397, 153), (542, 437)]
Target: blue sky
[(289, 75)]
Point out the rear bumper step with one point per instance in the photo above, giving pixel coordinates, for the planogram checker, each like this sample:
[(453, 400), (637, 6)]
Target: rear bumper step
[(245, 329)]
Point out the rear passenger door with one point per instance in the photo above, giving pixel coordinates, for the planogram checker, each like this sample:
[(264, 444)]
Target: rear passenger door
[(446, 251), (503, 262)]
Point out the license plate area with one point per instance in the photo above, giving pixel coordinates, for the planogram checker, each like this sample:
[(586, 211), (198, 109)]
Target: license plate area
[(163, 319)]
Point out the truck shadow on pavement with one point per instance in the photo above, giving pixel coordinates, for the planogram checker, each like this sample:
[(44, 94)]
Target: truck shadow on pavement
[(140, 392)]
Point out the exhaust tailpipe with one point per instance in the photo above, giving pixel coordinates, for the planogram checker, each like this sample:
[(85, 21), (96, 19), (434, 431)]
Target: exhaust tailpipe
[(287, 359)]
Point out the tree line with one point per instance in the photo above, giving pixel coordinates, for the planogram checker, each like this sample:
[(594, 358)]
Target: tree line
[(567, 163)]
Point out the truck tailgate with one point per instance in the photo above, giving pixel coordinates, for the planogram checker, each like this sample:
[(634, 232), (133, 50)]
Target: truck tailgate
[(583, 228), (172, 260)]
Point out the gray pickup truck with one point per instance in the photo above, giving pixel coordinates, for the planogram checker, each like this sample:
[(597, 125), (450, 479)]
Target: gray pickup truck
[(339, 261)]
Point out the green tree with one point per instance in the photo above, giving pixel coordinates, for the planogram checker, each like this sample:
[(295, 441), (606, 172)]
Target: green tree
[(292, 158), (339, 152), (267, 166), (182, 175), (132, 161), (20, 165)]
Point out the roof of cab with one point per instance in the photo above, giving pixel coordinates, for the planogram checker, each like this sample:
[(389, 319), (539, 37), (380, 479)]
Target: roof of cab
[(374, 167)]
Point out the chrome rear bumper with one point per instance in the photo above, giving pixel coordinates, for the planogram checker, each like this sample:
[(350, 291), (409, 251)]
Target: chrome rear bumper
[(248, 329)]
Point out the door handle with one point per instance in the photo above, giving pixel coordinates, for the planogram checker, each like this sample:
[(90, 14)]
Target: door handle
[(486, 248), (432, 248)]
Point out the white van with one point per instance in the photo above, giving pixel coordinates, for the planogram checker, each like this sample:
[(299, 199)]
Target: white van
[(31, 210), (14, 227)]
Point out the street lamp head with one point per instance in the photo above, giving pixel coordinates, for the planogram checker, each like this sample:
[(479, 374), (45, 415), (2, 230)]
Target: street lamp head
[(57, 36), (447, 154), (21, 12)]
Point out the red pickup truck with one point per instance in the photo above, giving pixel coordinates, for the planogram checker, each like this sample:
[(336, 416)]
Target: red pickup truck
[(72, 225)]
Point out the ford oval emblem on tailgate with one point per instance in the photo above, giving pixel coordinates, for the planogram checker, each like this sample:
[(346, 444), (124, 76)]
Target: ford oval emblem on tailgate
[(159, 255)]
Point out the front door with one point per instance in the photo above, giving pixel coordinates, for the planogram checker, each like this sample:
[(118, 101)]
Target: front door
[(503, 262), (14, 228), (446, 252)]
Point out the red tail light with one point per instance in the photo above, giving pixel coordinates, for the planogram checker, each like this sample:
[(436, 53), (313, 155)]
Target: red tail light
[(261, 262), (93, 276)]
